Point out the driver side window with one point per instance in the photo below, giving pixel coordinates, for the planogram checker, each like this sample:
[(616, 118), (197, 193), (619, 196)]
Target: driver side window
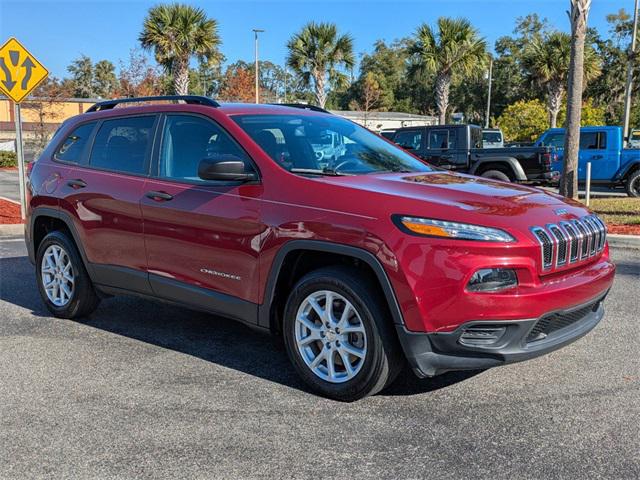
[(188, 139)]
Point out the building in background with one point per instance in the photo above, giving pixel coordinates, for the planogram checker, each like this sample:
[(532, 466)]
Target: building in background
[(379, 121)]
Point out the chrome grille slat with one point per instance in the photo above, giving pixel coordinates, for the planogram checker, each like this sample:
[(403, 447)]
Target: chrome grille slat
[(546, 246), (594, 236), (584, 251), (561, 243), (574, 240), (570, 241)]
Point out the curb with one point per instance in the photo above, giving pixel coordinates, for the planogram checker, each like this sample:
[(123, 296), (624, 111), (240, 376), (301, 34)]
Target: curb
[(11, 230), (9, 200), (623, 241)]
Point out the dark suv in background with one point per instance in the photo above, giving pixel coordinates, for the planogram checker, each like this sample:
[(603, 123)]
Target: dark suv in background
[(362, 262)]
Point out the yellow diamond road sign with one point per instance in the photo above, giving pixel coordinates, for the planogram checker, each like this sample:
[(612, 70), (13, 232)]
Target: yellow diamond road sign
[(20, 72)]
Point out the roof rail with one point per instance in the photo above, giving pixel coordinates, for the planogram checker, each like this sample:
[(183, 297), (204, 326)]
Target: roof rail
[(304, 106), (189, 99)]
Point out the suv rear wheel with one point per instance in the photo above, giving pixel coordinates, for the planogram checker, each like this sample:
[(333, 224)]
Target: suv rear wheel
[(338, 336), (496, 175), (63, 281), (633, 184)]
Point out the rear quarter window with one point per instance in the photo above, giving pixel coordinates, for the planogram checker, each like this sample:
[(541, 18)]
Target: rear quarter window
[(74, 145)]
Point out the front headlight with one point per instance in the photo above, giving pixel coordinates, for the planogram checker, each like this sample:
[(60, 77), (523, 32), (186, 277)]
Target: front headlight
[(442, 228)]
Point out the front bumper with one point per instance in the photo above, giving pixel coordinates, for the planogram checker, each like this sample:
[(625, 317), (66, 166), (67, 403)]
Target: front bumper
[(431, 354)]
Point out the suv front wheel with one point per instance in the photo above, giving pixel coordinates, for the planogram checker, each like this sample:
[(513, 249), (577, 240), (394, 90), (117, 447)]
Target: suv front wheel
[(63, 282), (338, 335)]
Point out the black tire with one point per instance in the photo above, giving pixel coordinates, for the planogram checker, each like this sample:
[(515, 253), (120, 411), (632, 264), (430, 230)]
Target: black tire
[(83, 300), (496, 175), (632, 185), (383, 359)]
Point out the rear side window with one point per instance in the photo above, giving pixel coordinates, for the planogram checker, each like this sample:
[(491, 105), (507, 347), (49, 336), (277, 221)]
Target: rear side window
[(188, 139), (593, 141), (442, 139), (122, 144), (476, 137), (409, 139), (74, 145)]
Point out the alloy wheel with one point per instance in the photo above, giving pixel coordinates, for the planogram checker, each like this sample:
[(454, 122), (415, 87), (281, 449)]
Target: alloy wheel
[(330, 336), (57, 275)]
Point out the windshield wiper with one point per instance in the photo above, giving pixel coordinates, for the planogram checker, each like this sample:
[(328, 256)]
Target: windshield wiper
[(317, 171)]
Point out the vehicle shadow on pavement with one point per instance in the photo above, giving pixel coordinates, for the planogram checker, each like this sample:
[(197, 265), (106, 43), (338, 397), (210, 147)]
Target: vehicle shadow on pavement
[(208, 337)]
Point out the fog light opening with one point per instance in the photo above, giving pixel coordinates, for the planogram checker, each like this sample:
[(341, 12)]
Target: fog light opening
[(481, 335), (492, 280)]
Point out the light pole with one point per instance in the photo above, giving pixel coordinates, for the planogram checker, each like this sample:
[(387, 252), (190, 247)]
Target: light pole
[(285, 84), (486, 120), (256, 31), (627, 92)]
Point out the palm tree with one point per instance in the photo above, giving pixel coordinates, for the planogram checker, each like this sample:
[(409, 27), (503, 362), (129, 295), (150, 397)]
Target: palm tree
[(454, 50), (547, 60), (177, 32), (317, 54), (577, 70)]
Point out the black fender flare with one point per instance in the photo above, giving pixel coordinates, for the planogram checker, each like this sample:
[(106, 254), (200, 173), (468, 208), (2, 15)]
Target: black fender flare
[(265, 309), (630, 167), (509, 162), (68, 221)]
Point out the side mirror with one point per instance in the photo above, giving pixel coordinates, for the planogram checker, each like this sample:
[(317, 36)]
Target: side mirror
[(226, 168)]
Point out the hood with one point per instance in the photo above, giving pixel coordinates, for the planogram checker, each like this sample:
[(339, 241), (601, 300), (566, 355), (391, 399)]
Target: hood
[(459, 197)]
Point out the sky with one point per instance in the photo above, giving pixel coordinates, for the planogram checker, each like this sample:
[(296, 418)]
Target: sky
[(57, 32)]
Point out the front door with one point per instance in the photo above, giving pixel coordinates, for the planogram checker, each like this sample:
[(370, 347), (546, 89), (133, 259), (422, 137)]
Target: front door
[(202, 237)]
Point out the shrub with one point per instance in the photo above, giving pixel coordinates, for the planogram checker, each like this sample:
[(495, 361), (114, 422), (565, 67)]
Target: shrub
[(8, 159)]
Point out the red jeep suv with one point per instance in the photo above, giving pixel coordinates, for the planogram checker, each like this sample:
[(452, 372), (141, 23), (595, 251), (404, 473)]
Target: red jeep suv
[(302, 223)]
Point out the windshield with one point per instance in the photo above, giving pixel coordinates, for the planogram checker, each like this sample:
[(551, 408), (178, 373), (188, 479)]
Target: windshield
[(325, 145)]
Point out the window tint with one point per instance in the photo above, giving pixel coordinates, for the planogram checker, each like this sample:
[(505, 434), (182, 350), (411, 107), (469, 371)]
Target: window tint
[(442, 139), (476, 137), (121, 144), (187, 140), (554, 140), (73, 146), (409, 139), (325, 144), (593, 141)]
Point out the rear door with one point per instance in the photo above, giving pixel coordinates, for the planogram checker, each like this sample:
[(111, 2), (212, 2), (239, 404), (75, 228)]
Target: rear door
[(593, 149), (103, 196), (202, 237), (442, 148)]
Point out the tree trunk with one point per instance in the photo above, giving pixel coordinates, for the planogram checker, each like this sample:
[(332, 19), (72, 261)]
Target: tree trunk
[(181, 77), (321, 94), (443, 84), (569, 180), (554, 103)]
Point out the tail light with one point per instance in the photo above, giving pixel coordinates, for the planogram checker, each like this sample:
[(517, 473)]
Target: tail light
[(546, 160)]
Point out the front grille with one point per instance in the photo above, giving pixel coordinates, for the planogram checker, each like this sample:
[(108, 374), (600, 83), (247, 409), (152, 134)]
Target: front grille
[(557, 321), (568, 242)]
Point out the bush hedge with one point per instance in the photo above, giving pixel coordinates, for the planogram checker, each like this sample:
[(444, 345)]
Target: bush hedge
[(8, 159)]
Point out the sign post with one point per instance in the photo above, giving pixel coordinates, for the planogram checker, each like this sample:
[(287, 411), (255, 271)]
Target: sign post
[(20, 73), (20, 158)]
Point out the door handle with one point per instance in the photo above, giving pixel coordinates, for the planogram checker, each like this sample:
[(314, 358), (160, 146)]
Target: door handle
[(159, 196), (77, 183)]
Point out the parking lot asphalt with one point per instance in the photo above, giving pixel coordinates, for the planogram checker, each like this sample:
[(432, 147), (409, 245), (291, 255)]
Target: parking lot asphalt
[(146, 390), (9, 187)]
